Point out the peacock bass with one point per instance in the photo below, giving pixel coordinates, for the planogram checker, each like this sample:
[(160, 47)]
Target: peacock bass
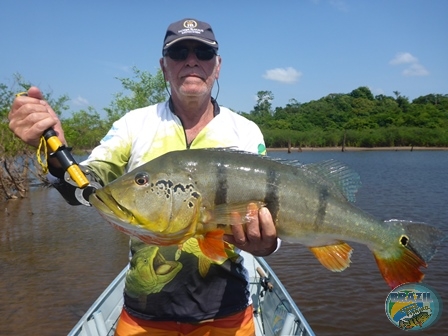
[(195, 193)]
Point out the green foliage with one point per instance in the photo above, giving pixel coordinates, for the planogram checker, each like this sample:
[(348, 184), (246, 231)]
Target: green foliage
[(142, 90), (10, 145), (362, 92), (365, 120), (263, 108), (370, 138), (84, 128)]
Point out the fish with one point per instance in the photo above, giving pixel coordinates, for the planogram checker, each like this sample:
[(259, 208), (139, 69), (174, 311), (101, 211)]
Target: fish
[(149, 272), (197, 192), (414, 321)]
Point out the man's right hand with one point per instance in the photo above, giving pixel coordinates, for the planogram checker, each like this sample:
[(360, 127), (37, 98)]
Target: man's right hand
[(30, 116)]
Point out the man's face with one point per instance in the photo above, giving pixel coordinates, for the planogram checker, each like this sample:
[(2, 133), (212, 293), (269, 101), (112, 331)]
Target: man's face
[(191, 76)]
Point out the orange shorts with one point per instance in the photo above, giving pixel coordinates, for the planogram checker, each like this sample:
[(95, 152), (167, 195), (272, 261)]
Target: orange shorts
[(240, 324)]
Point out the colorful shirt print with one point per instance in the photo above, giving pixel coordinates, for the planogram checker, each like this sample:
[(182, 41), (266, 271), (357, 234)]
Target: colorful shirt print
[(176, 283)]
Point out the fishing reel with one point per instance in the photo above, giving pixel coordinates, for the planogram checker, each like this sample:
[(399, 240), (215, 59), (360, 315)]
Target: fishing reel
[(264, 282)]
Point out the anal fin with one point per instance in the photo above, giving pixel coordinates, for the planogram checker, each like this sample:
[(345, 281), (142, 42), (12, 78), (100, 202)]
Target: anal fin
[(334, 257)]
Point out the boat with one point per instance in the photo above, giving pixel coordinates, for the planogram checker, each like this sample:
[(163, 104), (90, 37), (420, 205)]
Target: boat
[(275, 312)]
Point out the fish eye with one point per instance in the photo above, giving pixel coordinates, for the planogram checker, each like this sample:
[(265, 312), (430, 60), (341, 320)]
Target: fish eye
[(141, 178)]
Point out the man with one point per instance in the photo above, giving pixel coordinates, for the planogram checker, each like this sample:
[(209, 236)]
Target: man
[(187, 294)]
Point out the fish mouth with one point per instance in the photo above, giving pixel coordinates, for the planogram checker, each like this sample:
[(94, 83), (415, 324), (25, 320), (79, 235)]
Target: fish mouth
[(161, 266), (107, 205)]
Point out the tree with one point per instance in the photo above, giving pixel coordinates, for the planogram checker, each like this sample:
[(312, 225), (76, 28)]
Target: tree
[(263, 107), (17, 159), (362, 92), (84, 128), (142, 90)]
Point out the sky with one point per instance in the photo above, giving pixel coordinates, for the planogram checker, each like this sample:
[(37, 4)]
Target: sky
[(297, 49)]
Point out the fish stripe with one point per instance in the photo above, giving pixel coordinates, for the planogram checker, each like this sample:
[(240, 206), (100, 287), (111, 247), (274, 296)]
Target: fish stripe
[(221, 185), (272, 198), (322, 210)]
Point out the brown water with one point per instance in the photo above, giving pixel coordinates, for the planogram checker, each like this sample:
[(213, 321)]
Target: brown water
[(56, 259), (54, 262)]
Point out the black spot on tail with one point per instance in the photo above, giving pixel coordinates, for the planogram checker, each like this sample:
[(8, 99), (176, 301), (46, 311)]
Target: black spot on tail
[(404, 240)]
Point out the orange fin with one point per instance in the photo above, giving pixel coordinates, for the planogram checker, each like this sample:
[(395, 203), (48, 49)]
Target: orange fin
[(397, 271), (204, 265), (334, 257), (213, 246)]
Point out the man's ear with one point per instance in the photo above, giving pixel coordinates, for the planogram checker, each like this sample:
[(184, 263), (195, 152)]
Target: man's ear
[(218, 68), (162, 66)]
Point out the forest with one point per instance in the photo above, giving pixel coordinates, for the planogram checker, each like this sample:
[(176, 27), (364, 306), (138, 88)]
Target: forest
[(352, 119), (356, 119)]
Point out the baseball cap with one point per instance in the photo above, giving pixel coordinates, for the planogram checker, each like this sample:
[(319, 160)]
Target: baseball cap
[(189, 29)]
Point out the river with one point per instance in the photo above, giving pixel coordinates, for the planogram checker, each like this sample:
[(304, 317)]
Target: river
[(56, 259)]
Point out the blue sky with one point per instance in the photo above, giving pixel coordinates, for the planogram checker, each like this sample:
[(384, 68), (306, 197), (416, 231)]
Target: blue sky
[(302, 49)]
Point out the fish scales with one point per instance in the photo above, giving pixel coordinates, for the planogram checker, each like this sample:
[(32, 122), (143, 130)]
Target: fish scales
[(194, 194), (291, 198)]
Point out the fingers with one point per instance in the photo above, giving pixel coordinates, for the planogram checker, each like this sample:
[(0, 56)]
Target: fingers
[(238, 236), (30, 116), (265, 223), (34, 92), (259, 235)]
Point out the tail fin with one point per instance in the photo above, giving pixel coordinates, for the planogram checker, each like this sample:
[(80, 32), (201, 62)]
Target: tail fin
[(415, 247)]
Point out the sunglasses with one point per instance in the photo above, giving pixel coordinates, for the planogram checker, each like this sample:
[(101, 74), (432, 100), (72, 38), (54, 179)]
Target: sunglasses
[(181, 53)]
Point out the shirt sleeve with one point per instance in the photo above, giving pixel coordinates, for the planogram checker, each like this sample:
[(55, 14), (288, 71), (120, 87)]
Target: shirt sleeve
[(108, 161)]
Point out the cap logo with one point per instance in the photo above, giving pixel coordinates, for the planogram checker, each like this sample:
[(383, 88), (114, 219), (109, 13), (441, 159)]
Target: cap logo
[(190, 24), (190, 27)]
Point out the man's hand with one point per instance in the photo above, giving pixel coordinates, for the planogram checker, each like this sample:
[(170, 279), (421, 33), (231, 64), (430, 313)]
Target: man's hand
[(260, 236), (30, 116)]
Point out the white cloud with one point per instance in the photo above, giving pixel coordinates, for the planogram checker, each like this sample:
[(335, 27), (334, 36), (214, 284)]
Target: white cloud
[(414, 67), (403, 58), (284, 75), (80, 101)]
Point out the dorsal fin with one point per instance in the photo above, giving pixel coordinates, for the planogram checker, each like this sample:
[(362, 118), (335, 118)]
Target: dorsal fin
[(331, 173), (336, 175)]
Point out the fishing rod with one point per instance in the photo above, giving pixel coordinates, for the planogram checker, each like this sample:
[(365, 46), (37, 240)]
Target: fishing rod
[(62, 153)]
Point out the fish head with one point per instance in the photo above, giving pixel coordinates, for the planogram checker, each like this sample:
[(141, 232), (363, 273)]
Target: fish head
[(156, 207), (149, 272), (423, 317)]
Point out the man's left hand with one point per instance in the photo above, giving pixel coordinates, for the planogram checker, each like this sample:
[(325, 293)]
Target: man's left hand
[(260, 236)]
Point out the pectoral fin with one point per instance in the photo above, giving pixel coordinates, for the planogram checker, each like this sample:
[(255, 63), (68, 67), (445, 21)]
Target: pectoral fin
[(204, 265), (222, 214), (335, 257), (212, 245)]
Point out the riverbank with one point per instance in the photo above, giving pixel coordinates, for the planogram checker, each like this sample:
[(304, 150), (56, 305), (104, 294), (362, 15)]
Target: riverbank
[(356, 149)]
